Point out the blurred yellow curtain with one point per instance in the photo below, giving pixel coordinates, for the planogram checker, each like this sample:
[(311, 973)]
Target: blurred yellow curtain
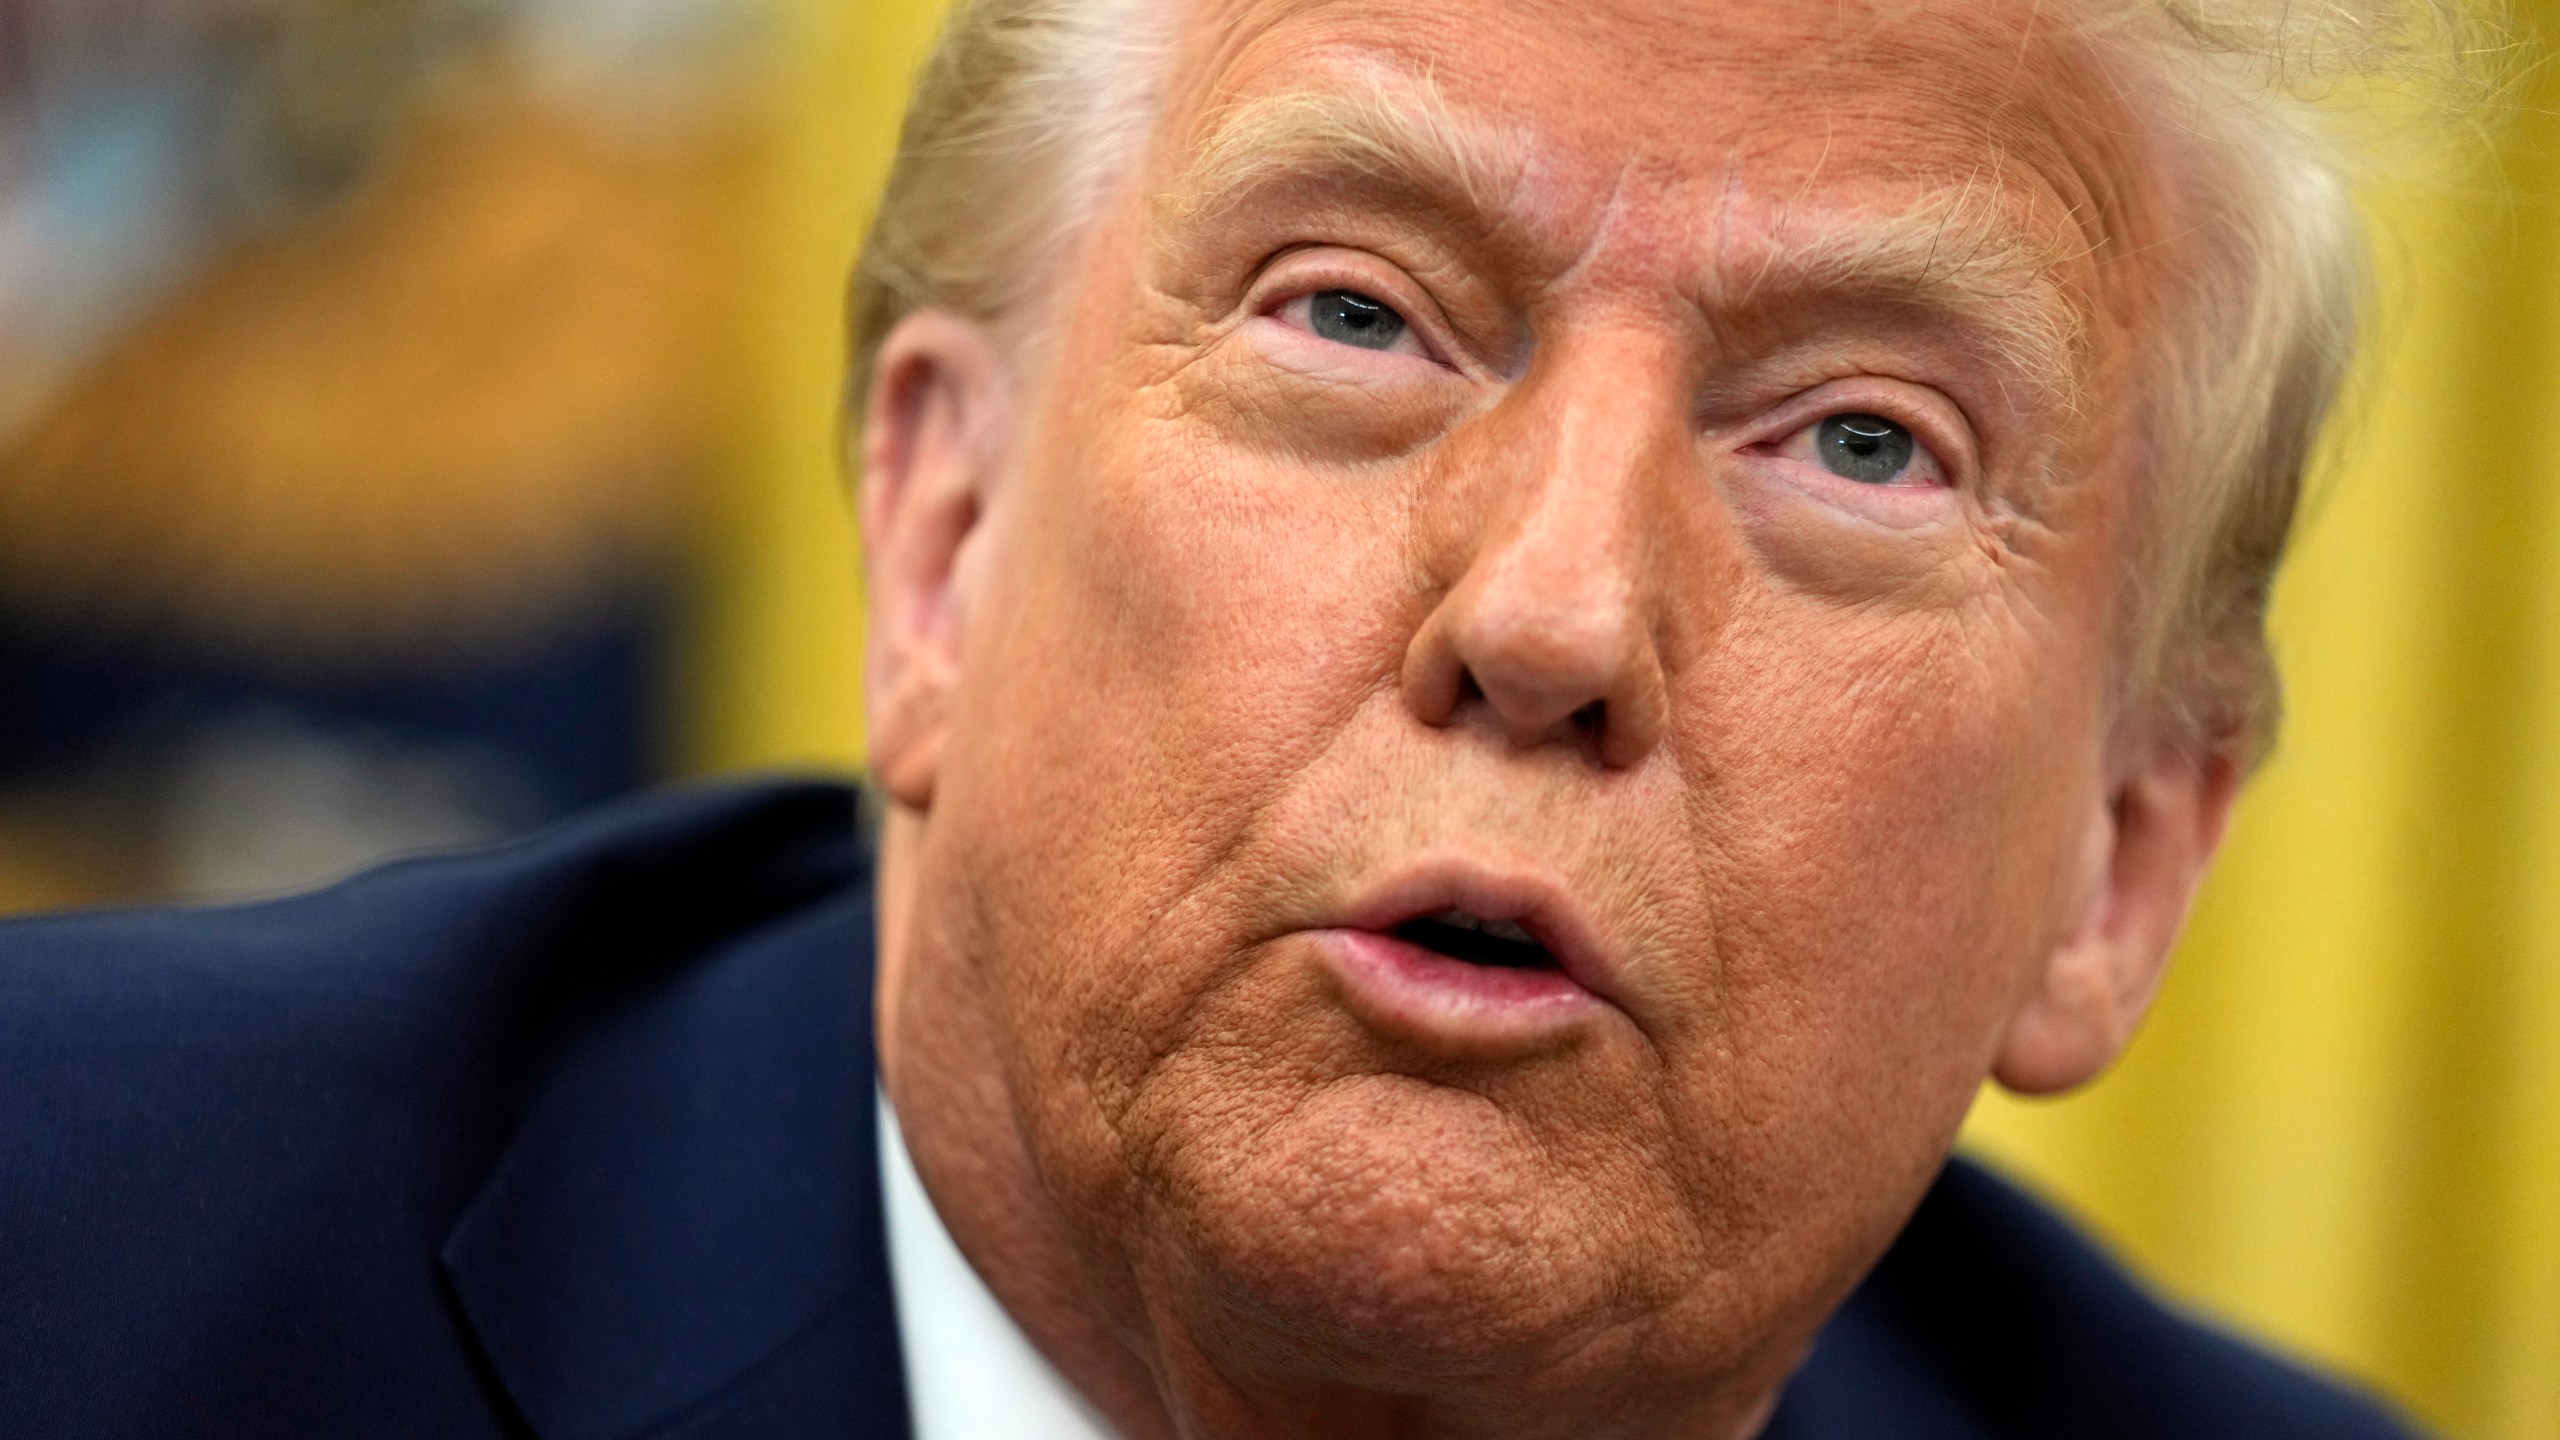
[(2342, 1127), (773, 665)]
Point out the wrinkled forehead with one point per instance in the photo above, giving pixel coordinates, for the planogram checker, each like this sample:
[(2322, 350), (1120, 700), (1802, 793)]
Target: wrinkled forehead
[(1991, 129)]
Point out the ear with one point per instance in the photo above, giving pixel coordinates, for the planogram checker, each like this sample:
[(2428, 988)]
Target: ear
[(934, 440), (2145, 852)]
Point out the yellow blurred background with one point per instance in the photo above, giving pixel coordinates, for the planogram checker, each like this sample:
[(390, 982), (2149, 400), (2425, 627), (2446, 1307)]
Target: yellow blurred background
[(562, 341)]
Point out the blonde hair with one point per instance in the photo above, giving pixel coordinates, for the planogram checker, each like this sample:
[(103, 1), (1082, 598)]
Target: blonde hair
[(1024, 114), (1029, 110)]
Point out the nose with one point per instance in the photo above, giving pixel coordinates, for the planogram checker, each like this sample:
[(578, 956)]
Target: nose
[(1549, 632)]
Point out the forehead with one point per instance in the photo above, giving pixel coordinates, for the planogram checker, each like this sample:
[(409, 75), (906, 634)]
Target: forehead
[(1738, 116), (1690, 79)]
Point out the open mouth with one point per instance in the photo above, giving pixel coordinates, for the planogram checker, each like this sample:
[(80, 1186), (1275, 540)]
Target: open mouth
[(1466, 961), (1477, 941)]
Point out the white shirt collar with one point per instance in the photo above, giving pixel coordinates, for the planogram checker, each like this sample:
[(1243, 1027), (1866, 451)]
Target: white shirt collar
[(971, 1372)]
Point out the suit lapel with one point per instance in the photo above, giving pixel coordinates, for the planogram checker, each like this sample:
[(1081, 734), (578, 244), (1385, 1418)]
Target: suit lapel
[(684, 1235)]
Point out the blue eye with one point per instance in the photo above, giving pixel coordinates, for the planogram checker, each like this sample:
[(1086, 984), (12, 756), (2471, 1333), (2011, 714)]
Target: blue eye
[(1866, 448), (1348, 317)]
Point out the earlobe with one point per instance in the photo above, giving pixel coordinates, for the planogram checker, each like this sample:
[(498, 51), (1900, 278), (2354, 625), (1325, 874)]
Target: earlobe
[(933, 445), (2146, 851)]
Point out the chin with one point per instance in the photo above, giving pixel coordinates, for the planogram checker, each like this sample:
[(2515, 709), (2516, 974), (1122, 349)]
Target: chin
[(1397, 1234)]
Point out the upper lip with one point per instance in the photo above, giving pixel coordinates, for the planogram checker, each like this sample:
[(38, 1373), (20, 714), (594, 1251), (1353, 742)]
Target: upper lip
[(1550, 912)]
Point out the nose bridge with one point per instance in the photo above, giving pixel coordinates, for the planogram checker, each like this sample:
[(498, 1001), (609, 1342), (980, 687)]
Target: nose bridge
[(1586, 460), (1550, 623)]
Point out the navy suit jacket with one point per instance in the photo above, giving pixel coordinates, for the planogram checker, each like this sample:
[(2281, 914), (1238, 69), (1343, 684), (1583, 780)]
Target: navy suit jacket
[(574, 1139)]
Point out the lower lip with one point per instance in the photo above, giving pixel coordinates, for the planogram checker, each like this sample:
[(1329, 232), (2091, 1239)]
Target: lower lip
[(1413, 993)]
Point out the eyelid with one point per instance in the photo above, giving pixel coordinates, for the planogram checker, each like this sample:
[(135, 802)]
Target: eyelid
[(1944, 436), (1304, 272)]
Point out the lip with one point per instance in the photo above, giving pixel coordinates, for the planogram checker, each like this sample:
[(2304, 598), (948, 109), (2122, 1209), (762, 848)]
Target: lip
[(1415, 993)]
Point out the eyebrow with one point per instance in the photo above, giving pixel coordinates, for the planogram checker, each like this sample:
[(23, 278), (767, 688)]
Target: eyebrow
[(1402, 133), (1956, 248)]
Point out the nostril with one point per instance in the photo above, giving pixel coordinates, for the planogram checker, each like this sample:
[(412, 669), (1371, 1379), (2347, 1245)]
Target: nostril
[(1592, 718)]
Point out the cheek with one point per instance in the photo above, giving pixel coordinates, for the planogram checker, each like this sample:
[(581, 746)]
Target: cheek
[(1885, 810), (1215, 616), (1178, 633)]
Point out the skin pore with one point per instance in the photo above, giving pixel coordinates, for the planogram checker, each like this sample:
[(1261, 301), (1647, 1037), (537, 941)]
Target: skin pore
[(1426, 493)]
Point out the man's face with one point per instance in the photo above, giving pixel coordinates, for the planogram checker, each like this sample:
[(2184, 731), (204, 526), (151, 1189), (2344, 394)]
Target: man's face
[(1640, 473)]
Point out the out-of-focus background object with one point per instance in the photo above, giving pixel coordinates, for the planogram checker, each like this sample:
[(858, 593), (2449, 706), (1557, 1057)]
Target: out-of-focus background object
[(417, 418), (365, 367)]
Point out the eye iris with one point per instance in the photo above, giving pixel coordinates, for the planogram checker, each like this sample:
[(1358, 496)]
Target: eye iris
[(1351, 318), (1866, 448)]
